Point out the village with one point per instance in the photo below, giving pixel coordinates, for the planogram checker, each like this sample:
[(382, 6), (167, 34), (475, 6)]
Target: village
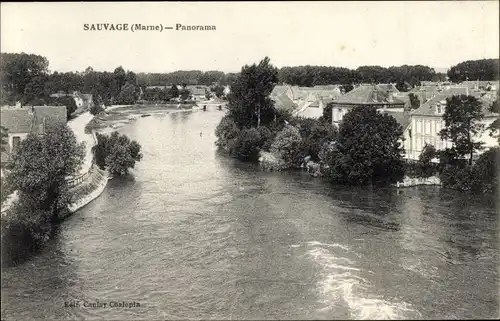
[(421, 122)]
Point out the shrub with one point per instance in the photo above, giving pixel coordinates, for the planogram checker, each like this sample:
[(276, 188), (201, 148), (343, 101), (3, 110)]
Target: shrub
[(267, 138), (270, 162), (226, 131), (287, 146), (24, 230), (485, 171), (96, 109), (247, 145), (314, 134)]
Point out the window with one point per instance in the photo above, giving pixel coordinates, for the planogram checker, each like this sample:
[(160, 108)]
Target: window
[(16, 140), (427, 127)]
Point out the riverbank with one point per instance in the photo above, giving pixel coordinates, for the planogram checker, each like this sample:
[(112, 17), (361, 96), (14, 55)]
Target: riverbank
[(115, 117)]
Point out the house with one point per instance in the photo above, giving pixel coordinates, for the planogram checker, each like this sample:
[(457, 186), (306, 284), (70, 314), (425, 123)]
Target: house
[(427, 121), (364, 95), (313, 109), (83, 101), (480, 85), (404, 119), (21, 121), (283, 102), (198, 92)]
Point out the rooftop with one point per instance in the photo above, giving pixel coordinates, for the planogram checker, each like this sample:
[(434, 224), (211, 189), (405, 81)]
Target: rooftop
[(366, 95), (428, 107)]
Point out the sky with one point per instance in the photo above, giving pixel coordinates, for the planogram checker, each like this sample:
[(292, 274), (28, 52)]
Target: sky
[(342, 34)]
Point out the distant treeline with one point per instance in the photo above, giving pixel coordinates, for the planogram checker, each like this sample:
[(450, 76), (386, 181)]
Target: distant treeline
[(485, 69), (191, 77)]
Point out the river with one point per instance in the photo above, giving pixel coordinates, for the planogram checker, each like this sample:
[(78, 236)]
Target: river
[(193, 234)]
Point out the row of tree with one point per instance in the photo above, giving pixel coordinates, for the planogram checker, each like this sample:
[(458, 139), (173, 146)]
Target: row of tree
[(192, 77), (484, 69), (404, 76)]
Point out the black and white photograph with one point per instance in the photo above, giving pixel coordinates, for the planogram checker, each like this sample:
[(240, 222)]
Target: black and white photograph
[(250, 160)]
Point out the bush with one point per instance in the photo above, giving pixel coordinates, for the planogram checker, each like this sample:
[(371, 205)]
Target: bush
[(287, 146), (267, 138), (246, 146), (485, 171), (270, 162), (226, 131), (96, 109), (315, 133), (24, 230)]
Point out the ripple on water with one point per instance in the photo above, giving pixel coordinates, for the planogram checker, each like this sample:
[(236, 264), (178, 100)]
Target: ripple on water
[(343, 287)]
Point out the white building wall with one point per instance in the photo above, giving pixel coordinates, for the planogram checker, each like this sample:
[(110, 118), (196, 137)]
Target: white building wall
[(426, 130)]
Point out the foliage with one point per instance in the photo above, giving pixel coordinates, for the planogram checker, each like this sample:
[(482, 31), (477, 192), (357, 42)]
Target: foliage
[(226, 131), (219, 91), (3, 139), (67, 101), (25, 228), (367, 150), (314, 134), (288, 146), (486, 178), (208, 95), (462, 118), (483, 69), (17, 71), (246, 145), (184, 94), (347, 88), (116, 152), (309, 76), (267, 137), (96, 110), (192, 77), (424, 167), (327, 113), (128, 94), (38, 169), (249, 101), (414, 101)]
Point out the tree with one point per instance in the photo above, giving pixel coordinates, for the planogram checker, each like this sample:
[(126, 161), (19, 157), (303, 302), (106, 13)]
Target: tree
[(494, 127), (368, 149), (483, 69), (246, 145), (462, 118), (184, 94), (3, 139), (128, 95), (174, 91), (208, 95), (67, 101), (116, 152), (39, 167), (17, 70), (249, 101), (314, 134), (414, 101), (327, 113), (219, 91)]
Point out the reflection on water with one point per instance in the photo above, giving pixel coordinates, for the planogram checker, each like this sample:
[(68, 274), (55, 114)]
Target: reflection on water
[(192, 234)]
